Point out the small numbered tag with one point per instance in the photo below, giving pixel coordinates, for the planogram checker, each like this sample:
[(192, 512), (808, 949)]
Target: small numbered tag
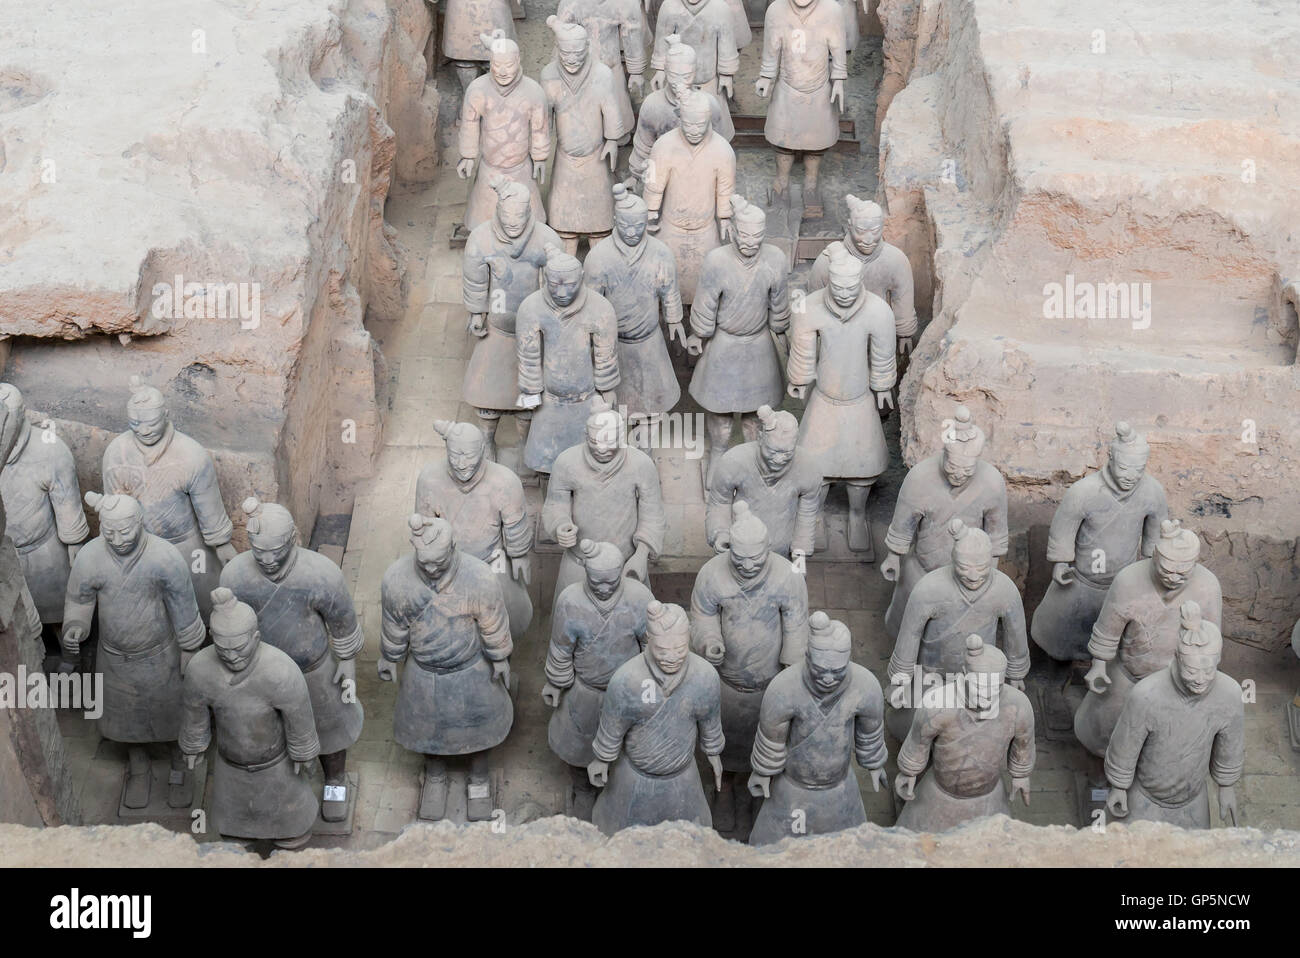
[(478, 790), (1099, 794), (336, 793)]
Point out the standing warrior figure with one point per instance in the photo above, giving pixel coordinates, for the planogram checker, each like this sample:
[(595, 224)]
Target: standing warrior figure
[(948, 604), (596, 626), (467, 32), (175, 481), (749, 619), (149, 626), (304, 610), (484, 503), (742, 301), (259, 702), (1178, 722), (607, 492), (976, 728), (803, 55), (661, 110), (1106, 521), (504, 131), (636, 273), (580, 94), (710, 27), (690, 176), (955, 484), (816, 717), (781, 483), (502, 266), (658, 706), (619, 32), (885, 269), (42, 502), (1136, 632), (444, 613), (844, 340), (567, 352)]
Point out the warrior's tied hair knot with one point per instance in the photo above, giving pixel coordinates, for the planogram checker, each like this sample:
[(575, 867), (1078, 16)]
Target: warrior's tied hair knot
[(969, 542), (843, 264), (1176, 543), (229, 615), (863, 209), (625, 201), (1128, 441), (665, 619), (267, 522), (679, 53), (600, 556), (560, 262), (828, 635), (963, 438), (781, 425), (747, 529), (509, 191), (603, 416), (144, 396), (983, 658), (451, 430), (498, 44), (563, 30), (428, 530), (1197, 634), (743, 211), (113, 507)]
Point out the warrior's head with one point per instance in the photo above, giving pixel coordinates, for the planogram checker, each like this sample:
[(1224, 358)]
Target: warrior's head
[(572, 45), (866, 224), (563, 274), (963, 441), (778, 433), (696, 116), (603, 565), (749, 223), (1128, 457), (233, 626), (435, 545), (630, 215), (668, 635), (827, 657), (272, 535), (146, 412), (679, 67), (503, 57), (1200, 646), (1177, 551), (748, 546), (605, 431), (984, 667), (15, 418), (972, 555), (845, 275), (466, 448), (121, 521), (514, 206)]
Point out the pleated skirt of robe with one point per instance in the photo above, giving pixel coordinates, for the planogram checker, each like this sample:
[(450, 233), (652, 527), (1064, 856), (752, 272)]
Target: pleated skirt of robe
[(492, 373), (1095, 719), (934, 810), (634, 798), (582, 199), (338, 723), (1143, 808), (46, 568), (845, 438), (825, 810), (557, 424), (142, 695), (199, 555), (739, 725), (272, 802), (451, 713), (1063, 621), (689, 247), (738, 373), (802, 122), (573, 725), (647, 383)]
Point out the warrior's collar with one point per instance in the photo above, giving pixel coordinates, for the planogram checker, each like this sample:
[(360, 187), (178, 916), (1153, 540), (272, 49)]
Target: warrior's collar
[(770, 476), (159, 449), (440, 584), (574, 82), (20, 444), (844, 314), (749, 585), (632, 254), (508, 88), (1181, 688), (746, 262), (128, 561), (1115, 490), (851, 245), (665, 681), (468, 485), (284, 570), (825, 699), (604, 469), (514, 246), (603, 606), (564, 312)]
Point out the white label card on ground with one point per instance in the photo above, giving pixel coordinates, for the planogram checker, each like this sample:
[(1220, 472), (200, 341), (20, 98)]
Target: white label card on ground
[(478, 790), (336, 793), (1099, 794)]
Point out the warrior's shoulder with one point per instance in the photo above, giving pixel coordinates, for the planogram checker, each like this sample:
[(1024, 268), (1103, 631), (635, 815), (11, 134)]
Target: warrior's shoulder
[(1130, 578), (240, 571), (702, 675), (321, 569), (987, 474), (787, 683), (569, 462), (864, 681), (1016, 701), (774, 259), (895, 258), (163, 555), (399, 578), (640, 465), (1226, 689)]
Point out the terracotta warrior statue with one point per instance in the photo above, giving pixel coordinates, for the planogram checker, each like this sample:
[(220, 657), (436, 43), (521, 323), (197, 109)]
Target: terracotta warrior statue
[(619, 32), (1179, 722), (749, 620), (660, 112), (948, 604), (502, 266), (955, 484), (885, 269), (780, 481), (815, 718), (463, 43), (657, 708), (175, 481), (842, 345), (1106, 521), (741, 303), (484, 503), (1136, 632), (804, 68), (504, 131), (968, 732), (636, 273), (596, 626), (255, 696), (712, 28), (690, 177), (303, 609), (443, 612), (42, 501), (149, 626), (605, 491), (567, 353), (583, 103)]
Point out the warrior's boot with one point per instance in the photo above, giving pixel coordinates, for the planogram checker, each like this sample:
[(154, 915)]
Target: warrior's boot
[(180, 783), (334, 806), (138, 775), (433, 795), (812, 200), (478, 788), (859, 529)]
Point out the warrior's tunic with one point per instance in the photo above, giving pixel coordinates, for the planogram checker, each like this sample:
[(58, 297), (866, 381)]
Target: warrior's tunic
[(618, 32), (762, 625), (650, 723), (506, 132), (465, 20), (710, 27), (450, 632), (586, 115), (263, 718), (307, 614), (590, 639), (1136, 633), (1166, 740), (886, 272), (803, 53), (787, 503), (805, 742), (660, 114), (147, 615), (919, 530), (1099, 530)]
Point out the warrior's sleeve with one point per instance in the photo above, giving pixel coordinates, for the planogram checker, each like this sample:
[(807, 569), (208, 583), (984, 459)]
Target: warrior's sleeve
[(1020, 756), (1109, 627), (632, 38), (908, 645), (722, 123), (771, 741), (516, 528), (882, 350), (476, 278), (805, 518), (778, 301), (725, 179), (722, 492), (642, 143), (794, 620), (670, 294), (65, 498), (908, 513), (708, 298), (205, 497), (333, 604), (706, 622), (559, 656), (995, 516), (728, 52), (493, 621), (1212, 605), (539, 122), (604, 348), (710, 720), (1228, 754), (178, 598), (469, 126), (869, 727), (657, 175), (394, 632), (615, 720), (664, 27), (650, 519), (1156, 514), (1014, 635), (528, 352), (557, 510), (1126, 743), (1064, 531), (801, 367), (839, 56), (820, 275), (79, 599), (902, 299), (772, 35), (914, 755), (294, 705), (611, 115), (196, 720)]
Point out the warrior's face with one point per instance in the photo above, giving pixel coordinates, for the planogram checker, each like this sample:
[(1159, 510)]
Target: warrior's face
[(679, 78), (827, 668), (563, 287), (505, 68), (749, 238), (844, 290), (866, 233), (1172, 574), (1197, 670), (603, 583), (1126, 469), (631, 226), (271, 557), (604, 434), (694, 128), (777, 452), (464, 457), (983, 691), (236, 650), (669, 651), (972, 571), (435, 558), (957, 469), (147, 424), (572, 54), (122, 533), (748, 558), (513, 215)]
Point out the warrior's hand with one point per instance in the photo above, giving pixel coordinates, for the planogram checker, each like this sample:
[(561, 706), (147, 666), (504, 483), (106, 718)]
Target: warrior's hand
[(726, 86), (551, 695), (465, 168), (529, 400), (715, 763), (722, 542), (1228, 805), (885, 400), (610, 153), (879, 779), (72, 637), (346, 672), (387, 670), (652, 221), (225, 552), (636, 567), (73, 550), (724, 228), (522, 569), (837, 93), (191, 761), (714, 653), (1117, 802), (694, 345), (567, 535), (760, 786), (635, 83), (783, 341), (539, 173), (1062, 573), (1097, 679), (904, 345), (797, 390), (1020, 785), (501, 670), (905, 787), (300, 767), (890, 567), (598, 773), (1017, 684), (478, 324), (763, 86), (677, 331), (656, 81)]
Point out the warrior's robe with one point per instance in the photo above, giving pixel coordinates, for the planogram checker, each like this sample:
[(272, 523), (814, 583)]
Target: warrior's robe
[(450, 632), (586, 114), (263, 719), (650, 723), (1167, 738), (803, 54), (762, 626), (886, 272), (710, 27), (506, 131), (465, 20), (805, 742), (590, 639), (175, 482), (147, 615), (619, 33), (787, 503), (1136, 634), (308, 614), (660, 114)]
